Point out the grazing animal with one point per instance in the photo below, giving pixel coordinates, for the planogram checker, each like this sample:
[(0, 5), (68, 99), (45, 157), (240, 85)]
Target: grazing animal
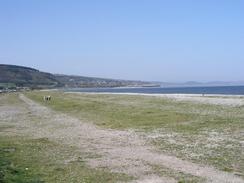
[(47, 98)]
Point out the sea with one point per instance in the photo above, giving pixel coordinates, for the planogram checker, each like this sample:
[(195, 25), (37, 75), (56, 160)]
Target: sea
[(221, 90)]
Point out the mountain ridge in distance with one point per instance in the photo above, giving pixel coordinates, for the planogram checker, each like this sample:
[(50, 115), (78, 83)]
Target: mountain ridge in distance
[(21, 76)]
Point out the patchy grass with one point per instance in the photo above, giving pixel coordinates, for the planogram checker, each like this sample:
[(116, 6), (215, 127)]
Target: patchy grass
[(202, 133), (40, 160), (25, 159), (10, 98), (220, 151), (121, 111), (114, 111), (180, 176)]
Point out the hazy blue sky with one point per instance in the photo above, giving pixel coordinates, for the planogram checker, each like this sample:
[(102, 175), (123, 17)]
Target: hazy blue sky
[(163, 40)]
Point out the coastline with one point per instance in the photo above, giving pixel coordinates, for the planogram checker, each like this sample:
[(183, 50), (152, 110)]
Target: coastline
[(160, 95), (215, 99)]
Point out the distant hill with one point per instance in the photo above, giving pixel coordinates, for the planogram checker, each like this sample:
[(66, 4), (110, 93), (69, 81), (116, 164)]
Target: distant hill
[(19, 76), (82, 81), (13, 75)]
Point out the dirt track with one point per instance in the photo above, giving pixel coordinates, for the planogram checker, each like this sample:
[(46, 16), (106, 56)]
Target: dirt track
[(120, 151)]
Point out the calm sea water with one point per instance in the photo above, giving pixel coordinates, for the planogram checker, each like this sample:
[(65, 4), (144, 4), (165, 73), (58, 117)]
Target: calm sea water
[(226, 90)]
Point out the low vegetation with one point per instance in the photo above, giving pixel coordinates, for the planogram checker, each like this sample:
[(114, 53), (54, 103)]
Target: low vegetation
[(25, 159), (202, 133), (205, 134), (140, 112)]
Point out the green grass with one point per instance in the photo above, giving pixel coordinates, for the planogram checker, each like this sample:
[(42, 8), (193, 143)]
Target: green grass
[(144, 112), (114, 112), (202, 133), (25, 159), (10, 168), (40, 160)]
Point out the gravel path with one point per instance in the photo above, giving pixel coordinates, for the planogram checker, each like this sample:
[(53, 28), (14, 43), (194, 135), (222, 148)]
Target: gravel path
[(120, 151)]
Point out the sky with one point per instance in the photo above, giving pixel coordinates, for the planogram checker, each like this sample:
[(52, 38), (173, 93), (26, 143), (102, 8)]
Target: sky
[(152, 40)]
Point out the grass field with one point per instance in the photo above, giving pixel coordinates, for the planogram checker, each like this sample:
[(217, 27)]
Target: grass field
[(202, 133), (25, 159), (40, 160)]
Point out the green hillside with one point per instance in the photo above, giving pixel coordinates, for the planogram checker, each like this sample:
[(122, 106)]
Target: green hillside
[(12, 76)]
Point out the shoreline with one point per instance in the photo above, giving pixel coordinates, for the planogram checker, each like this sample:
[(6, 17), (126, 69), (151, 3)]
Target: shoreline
[(162, 94), (237, 91), (224, 100)]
